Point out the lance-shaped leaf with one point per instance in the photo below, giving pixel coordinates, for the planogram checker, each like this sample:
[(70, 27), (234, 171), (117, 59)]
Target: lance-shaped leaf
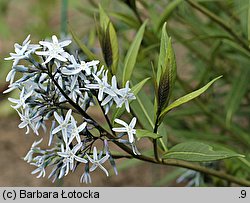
[(187, 98), (142, 108), (166, 72), (198, 152), (108, 41), (135, 89), (140, 133), (131, 55)]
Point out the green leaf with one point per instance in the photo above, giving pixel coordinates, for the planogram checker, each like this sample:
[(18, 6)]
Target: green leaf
[(167, 12), (198, 152), (83, 47), (166, 72), (135, 89), (163, 50), (132, 53), (142, 107), (109, 42), (187, 98), (140, 133), (236, 94)]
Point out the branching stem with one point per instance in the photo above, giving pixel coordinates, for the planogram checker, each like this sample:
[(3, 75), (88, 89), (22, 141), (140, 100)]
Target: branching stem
[(169, 162)]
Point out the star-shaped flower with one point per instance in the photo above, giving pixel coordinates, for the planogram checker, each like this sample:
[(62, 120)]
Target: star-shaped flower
[(22, 51), (125, 96), (75, 68), (21, 101), (74, 133), (114, 97), (102, 86), (69, 156), (54, 50), (29, 120), (63, 125), (129, 129), (98, 161)]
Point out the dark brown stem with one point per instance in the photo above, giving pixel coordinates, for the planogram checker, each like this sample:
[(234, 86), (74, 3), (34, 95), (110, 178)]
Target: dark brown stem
[(155, 140)]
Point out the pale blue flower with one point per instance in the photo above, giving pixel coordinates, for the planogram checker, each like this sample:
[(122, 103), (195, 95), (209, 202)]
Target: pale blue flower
[(40, 169), (11, 87), (129, 129), (192, 178), (63, 125), (73, 88), (54, 50), (32, 150), (21, 101), (125, 97), (22, 51), (110, 98), (11, 76), (70, 156), (51, 135), (75, 68), (74, 133), (98, 161), (86, 178), (29, 120), (102, 86)]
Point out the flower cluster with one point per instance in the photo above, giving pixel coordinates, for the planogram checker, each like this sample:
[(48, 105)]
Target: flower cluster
[(57, 87)]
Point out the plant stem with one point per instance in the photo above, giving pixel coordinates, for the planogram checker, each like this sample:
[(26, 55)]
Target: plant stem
[(106, 117), (155, 140), (195, 167), (170, 162)]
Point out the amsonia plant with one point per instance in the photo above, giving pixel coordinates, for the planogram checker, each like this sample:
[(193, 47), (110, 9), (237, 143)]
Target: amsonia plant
[(58, 87)]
